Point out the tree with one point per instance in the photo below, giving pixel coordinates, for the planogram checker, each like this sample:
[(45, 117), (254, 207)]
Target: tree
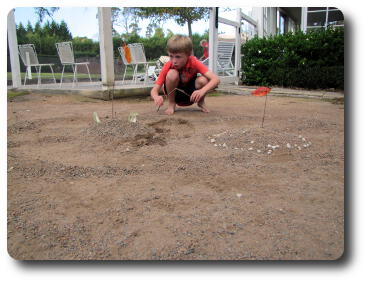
[(21, 34), (41, 12), (181, 15), (125, 18)]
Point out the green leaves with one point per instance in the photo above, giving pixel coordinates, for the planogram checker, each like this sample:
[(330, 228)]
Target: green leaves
[(312, 60)]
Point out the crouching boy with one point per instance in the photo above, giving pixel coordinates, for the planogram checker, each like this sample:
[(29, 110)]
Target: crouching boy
[(179, 77)]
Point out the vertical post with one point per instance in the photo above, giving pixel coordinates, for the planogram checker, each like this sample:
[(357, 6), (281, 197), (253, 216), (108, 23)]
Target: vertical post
[(106, 46), (213, 39), (304, 19), (13, 50), (237, 60), (259, 14)]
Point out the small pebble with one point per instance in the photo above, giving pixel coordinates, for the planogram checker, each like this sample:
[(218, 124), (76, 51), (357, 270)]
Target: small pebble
[(215, 144), (250, 148), (212, 140), (252, 141), (239, 195), (258, 151), (289, 146)]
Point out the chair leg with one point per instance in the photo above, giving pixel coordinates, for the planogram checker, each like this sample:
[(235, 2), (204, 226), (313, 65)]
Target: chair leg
[(53, 74), (62, 74), (146, 73), (88, 72), (123, 78), (39, 76), (26, 75), (75, 72), (135, 76)]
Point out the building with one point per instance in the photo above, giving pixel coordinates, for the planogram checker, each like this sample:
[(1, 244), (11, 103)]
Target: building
[(279, 20)]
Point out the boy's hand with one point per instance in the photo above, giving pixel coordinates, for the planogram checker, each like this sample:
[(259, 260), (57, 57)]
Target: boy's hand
[(158, 100), (197, 95)]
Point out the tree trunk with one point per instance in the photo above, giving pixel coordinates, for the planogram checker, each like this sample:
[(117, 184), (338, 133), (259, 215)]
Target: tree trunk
[(189, 27)]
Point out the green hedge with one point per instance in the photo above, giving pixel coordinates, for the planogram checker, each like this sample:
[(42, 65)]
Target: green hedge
[(314, 60)]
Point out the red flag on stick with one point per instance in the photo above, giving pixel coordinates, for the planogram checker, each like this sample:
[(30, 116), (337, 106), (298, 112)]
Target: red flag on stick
[(261, 91)]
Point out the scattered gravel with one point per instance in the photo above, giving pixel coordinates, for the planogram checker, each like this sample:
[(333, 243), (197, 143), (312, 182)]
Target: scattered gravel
[(258, 140)]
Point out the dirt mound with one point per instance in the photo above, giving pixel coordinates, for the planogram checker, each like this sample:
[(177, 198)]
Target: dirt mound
[(118, 128)]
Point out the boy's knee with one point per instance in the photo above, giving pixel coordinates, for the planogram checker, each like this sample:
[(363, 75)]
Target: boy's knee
[(200, 82), (172, 75)]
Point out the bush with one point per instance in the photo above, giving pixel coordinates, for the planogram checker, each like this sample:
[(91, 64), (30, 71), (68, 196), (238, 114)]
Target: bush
[(313, 60)]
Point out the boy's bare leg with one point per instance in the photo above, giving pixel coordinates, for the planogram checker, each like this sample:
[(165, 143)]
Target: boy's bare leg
[(201, 104), (172, 80), (199, 83)]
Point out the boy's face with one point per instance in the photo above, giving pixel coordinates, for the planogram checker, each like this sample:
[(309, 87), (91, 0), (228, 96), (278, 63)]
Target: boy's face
[(178, 59)]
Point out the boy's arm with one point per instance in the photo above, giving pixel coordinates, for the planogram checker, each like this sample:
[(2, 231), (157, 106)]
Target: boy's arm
[(154, 93), (213, 82)]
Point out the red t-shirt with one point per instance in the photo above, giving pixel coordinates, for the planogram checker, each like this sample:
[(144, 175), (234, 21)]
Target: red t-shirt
[(189, 71)]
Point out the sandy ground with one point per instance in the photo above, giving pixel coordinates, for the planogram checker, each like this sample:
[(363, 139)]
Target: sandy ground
[(192, 186)]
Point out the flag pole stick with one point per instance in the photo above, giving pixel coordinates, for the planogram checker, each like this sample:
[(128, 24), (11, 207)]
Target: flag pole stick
[(262, 123)]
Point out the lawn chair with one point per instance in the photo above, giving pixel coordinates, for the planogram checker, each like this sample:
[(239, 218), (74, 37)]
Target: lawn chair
[(125, 54), (224, 59), (138, 57), (27, 53), (66, 55)]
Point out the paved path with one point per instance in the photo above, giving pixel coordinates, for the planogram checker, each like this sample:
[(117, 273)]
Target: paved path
[(95, 89), (246, 90)]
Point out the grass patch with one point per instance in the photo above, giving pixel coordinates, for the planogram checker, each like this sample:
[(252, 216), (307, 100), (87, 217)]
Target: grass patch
[(11, 94), (215, 93), (81, 98)]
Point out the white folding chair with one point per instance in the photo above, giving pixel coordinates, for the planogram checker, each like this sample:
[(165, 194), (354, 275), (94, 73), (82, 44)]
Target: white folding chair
[(66, 55), (124, 56), (224, 59), (138, 57), (28, 54)]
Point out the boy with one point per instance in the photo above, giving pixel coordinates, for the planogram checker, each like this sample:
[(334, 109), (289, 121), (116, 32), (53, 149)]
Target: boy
[(181, 72), (205, 45)]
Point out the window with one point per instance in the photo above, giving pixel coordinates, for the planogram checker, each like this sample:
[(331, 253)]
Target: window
[(324, 17)]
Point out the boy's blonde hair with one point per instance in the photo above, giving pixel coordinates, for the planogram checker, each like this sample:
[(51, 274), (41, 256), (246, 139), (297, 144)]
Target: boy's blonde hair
[(202, 41), (179, 43)]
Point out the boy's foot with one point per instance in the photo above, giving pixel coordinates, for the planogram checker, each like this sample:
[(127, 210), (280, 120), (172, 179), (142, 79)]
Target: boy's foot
[(170, 110), (203, 107)]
